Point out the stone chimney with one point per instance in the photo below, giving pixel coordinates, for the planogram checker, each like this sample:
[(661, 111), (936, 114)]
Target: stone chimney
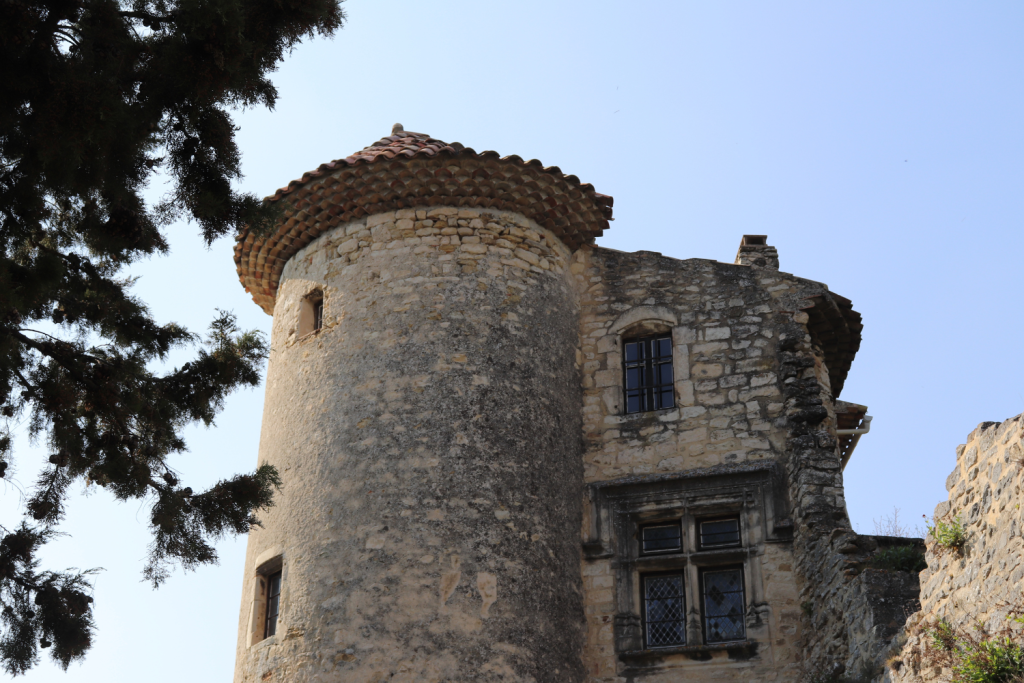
[(754, 251)]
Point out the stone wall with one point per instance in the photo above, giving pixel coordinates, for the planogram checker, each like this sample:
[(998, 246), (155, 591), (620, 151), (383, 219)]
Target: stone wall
[(747, 375), (985, 582), (852, 608), (436, 483), (428, 441), (753, 348)]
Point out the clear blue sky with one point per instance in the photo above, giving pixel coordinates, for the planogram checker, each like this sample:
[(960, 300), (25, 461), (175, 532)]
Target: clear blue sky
[(878, 145)]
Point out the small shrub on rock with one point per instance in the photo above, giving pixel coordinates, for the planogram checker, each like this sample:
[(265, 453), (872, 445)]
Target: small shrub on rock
[(949, 535), (975, 656), (990, 661)]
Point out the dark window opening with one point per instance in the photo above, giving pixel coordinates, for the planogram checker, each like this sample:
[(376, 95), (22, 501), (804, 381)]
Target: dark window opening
[(311, 313), (661, 538), (664, 610), (649, 380), (273, 603), (724, 605), (719, 533), (318, 315)]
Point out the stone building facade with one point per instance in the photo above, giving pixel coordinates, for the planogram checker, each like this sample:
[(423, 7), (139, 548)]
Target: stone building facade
[(512, 455)]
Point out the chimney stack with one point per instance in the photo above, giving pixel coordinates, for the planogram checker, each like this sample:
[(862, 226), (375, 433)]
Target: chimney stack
[(754, 251)]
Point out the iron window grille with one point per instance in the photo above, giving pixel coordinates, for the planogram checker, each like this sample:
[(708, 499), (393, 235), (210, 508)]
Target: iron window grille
[(724, 605), (649, 380), (661, 538), (664, 610), (719, 533), (273, 603), (318, 315)]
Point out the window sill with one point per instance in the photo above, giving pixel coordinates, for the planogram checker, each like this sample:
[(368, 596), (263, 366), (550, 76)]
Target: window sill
[(647, 414), (266, 642), (721, 555), (702, 558), (738, 650)]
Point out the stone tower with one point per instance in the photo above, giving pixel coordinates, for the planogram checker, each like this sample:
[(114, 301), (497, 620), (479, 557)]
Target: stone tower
[(511, 455), (423, 409)]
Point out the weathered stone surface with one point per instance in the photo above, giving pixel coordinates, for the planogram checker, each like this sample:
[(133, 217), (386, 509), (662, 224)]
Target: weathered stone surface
[(985, 582), (424, 524), (456, 431), (753, 385)]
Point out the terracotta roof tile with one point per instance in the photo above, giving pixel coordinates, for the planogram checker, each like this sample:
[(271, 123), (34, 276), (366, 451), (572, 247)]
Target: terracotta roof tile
[(409, 170)]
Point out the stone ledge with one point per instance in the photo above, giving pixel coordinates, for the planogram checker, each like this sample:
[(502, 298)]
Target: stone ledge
[(744, 649)]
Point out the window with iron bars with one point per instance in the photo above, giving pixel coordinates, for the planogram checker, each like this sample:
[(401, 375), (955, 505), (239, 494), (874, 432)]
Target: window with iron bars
[(661, 538), (273, 604), (719, 533), (649, 379), (318, 315)]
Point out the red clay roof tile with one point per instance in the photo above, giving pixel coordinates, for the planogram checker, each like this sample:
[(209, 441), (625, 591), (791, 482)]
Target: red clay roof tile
[(413, 170)]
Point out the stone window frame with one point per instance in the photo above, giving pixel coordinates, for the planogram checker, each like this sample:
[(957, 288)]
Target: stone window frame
[(311, 313), (642, 321), (753, 492), (267, 564)]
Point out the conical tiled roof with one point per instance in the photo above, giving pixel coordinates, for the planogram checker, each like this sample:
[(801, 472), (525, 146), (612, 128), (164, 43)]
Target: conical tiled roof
[(413, 170)]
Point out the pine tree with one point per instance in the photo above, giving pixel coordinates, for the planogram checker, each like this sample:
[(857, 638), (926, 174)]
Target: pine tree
[(97, 96)]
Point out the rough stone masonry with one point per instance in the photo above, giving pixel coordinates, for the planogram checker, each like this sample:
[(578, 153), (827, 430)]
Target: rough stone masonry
[(467, 495), (983, 583)]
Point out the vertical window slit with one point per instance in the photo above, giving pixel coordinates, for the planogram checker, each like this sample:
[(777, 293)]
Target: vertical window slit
[(273, 604)]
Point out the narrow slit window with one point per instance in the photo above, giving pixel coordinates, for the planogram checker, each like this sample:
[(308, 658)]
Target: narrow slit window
[(724, 605), (719, 533), (273, 604), (318, 315), (311, 313), (664, 610), (649, 379), (661, 538)]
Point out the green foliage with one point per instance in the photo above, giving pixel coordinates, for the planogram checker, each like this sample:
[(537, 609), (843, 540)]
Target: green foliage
[(949, 535), (899, 558), (97, 97), (807, 607), (974, 657), (53, 607), (943, 636), (990, 661)]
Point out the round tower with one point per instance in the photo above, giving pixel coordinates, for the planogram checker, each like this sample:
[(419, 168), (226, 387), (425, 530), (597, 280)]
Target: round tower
[(423, 408)]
